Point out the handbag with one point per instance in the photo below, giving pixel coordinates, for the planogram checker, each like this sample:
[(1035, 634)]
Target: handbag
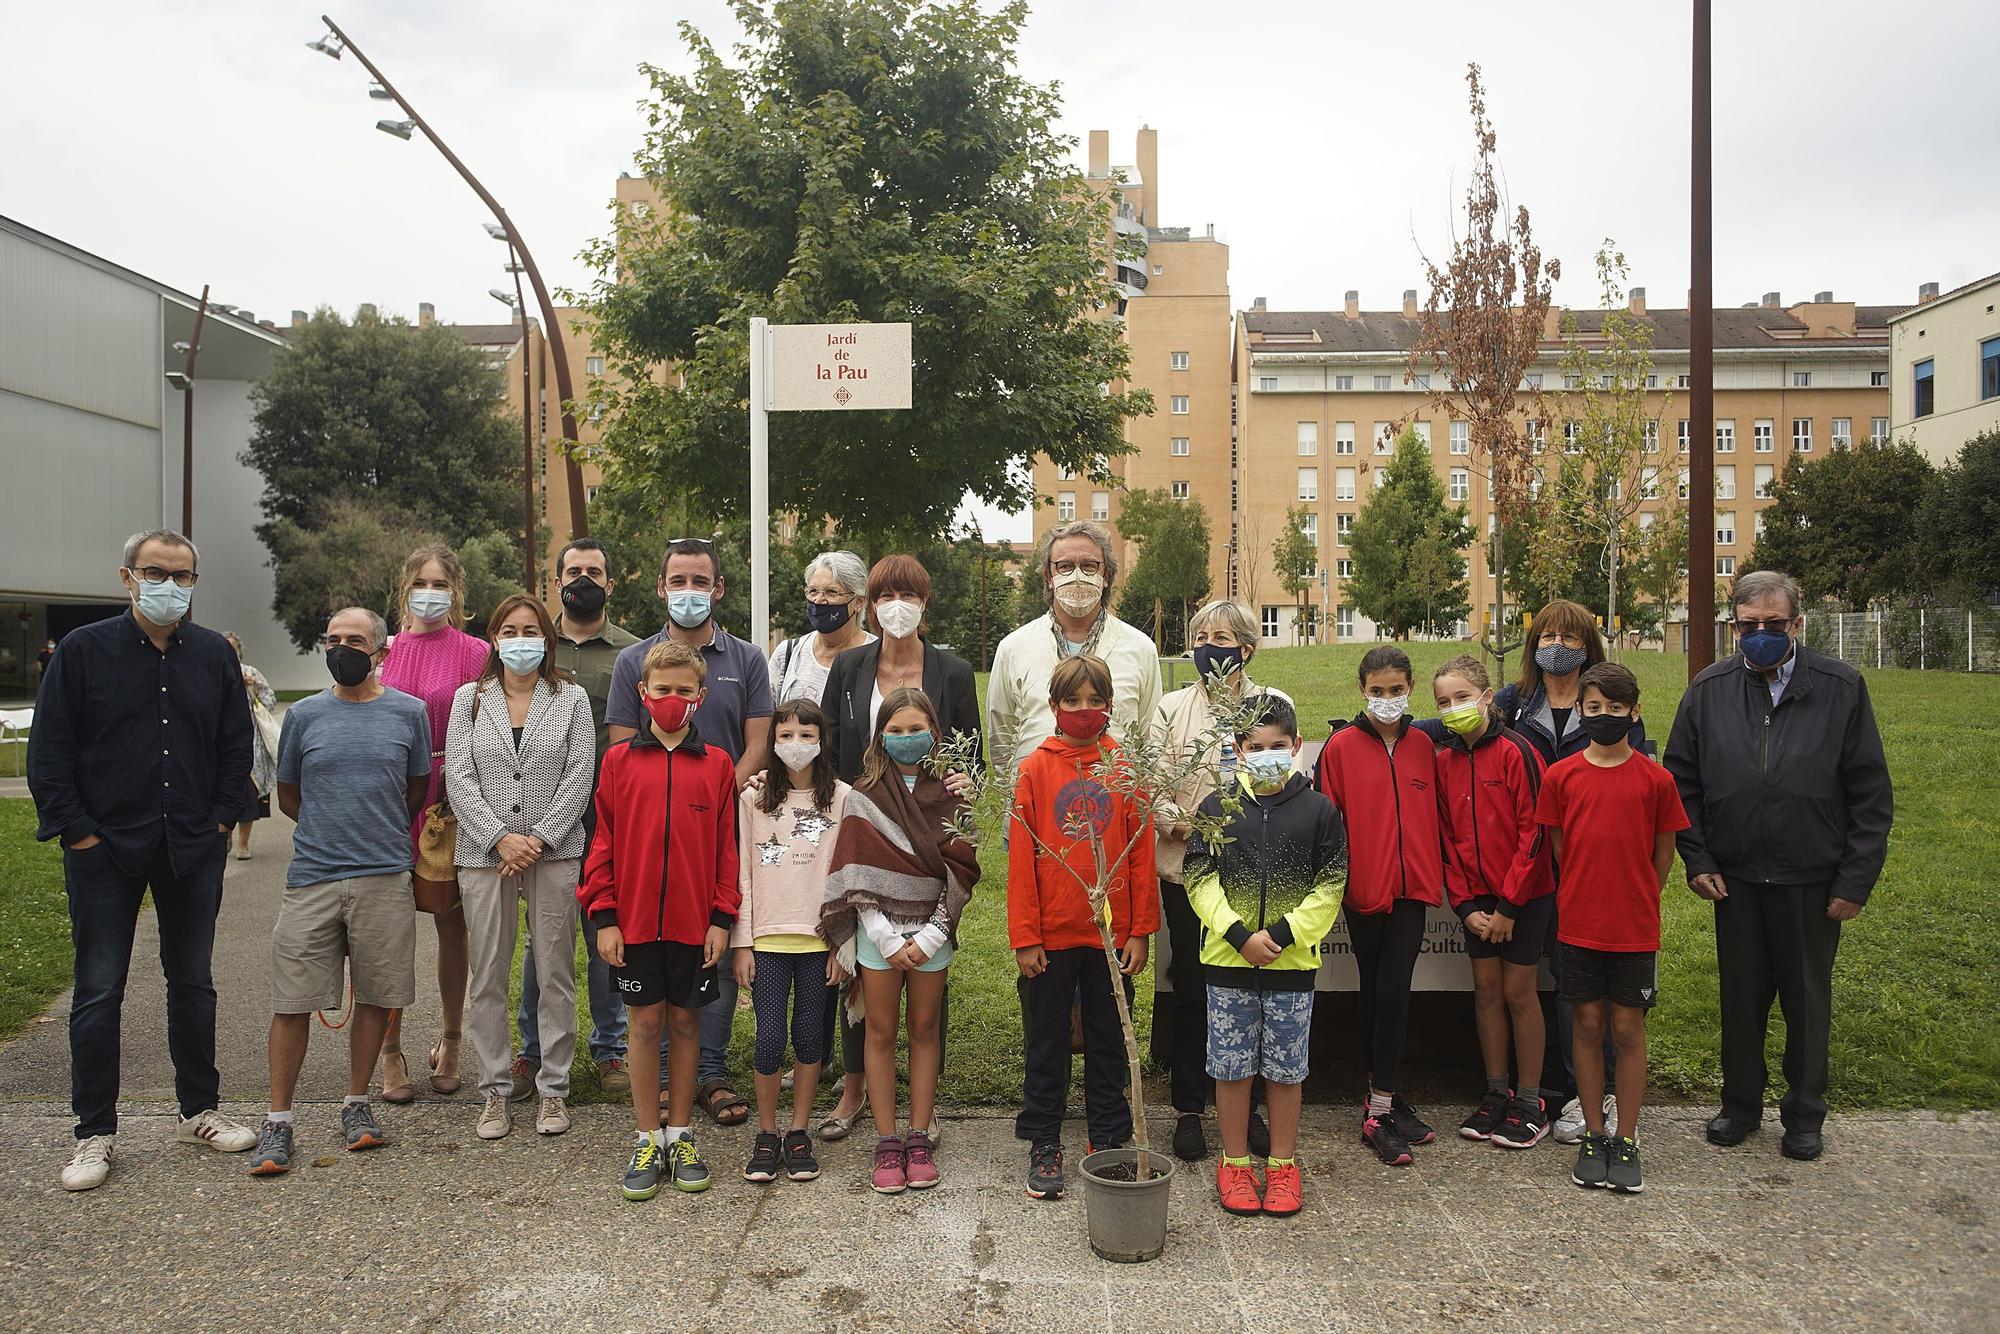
[(437, 841)]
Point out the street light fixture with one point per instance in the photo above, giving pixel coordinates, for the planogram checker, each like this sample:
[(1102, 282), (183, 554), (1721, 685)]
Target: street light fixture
[(496, 231), (328, 47), (400, 128), (504, 298), (379, 93)]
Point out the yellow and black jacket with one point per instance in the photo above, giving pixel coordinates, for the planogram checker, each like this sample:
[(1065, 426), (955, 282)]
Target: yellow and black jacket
[(1283, 869)]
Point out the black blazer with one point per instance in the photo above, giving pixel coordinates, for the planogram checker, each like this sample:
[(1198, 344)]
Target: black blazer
[(850, 683)]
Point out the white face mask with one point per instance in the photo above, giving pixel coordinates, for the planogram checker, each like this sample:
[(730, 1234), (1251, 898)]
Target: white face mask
[(797, 754), (899, 620), (1080, 593), (429, 604), (1388, 708)]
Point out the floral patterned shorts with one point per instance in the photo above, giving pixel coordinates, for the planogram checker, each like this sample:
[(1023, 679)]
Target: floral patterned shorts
[(1259, 1032)]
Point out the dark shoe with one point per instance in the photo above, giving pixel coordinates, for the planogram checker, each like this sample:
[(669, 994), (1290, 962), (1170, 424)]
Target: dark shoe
[(1592, 1160), (1260, 1136), (1045, 1172), (1622, 1174), (1729, 1131), (1801, 1145), (764, 1159), (1380, 1134), (1408, 1124), (642, 1174), (1190, 1144), (1486, 1117), (274, 1150), (1525, 1126), (359, 1128), (690, 1173), (800, 1165)]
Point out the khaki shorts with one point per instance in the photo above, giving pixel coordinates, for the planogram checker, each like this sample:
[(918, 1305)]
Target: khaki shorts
[(371, 921)]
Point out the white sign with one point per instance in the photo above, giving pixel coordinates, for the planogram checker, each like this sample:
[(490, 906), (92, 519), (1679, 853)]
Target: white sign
[(839, 367), (1442, 964)]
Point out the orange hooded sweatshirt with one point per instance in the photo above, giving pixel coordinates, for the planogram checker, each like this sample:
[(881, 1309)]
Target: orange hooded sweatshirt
[(1059, 797)]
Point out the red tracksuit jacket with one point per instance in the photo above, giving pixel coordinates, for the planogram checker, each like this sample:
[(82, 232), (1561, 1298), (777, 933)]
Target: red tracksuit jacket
[(1056, 794), (662, 864), (1486, 802), (1394, 845)]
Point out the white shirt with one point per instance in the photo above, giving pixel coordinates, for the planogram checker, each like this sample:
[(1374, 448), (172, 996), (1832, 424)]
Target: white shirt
[(1017, 693), (803, 676)]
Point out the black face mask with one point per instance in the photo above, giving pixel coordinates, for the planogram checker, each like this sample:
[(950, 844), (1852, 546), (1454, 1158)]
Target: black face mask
[(349, 666), (583, 597), (1606, 729), (827, 617)]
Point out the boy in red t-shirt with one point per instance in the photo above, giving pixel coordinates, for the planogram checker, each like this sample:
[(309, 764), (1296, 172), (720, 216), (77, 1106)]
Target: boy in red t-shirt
[(1614, 814)]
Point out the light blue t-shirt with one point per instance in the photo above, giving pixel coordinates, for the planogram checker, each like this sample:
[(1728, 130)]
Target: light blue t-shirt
[(352, 763)]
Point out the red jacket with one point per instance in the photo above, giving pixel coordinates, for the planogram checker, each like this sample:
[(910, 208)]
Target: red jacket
[(1492, 842), (1394, 845), (662, 864), (1046, 906)]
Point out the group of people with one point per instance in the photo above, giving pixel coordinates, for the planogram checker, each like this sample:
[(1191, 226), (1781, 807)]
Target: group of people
[(794, 827)]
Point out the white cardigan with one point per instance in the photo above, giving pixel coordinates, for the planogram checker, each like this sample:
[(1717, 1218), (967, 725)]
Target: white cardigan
[(541, 788)]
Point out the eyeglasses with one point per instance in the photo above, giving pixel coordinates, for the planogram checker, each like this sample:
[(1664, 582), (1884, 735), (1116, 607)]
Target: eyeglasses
[(1078, 567), (153, 574), (362, 642), (1776, 625), (698, 541)]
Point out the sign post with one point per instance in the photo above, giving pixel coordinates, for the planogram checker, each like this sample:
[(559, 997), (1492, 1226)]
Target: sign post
[(811, 368)]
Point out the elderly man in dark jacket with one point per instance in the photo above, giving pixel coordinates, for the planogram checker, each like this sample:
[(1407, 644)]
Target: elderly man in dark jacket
[(1780, 767)]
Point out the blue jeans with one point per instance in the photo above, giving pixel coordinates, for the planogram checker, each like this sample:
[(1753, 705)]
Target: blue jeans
[(718, 1022), (104, 902), (607, 1008)]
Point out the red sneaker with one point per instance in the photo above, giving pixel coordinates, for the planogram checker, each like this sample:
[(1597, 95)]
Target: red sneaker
[(918, 1170), (890, 1174), (1281, 1191), (1237, 1187)]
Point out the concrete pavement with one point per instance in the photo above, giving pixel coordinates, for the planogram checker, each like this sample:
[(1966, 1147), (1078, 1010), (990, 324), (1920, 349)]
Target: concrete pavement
[(1894, 1228)]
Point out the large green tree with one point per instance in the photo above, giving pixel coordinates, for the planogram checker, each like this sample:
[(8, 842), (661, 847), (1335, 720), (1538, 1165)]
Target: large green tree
[(861, 160), (1959, 528), (1172, 566), (1846, 525), (1409, 549)]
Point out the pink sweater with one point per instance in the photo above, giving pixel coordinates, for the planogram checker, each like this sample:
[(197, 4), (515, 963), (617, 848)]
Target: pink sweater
[(782, 863), (432, 667)]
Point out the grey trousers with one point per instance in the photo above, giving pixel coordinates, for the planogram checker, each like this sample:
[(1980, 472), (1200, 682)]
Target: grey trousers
[(492, 911)]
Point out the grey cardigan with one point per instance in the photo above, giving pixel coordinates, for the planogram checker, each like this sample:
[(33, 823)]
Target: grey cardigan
[(541, 789)]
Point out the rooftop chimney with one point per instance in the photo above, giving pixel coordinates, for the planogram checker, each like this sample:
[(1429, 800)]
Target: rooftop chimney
[(1211, 231), (1257, 304), (426, 314), (365, 311), (1822, 298), (1636, 300), (1928, 292), (1409, 303), (272, 325), (247, 316), (1772, 300), (298, 318), (1353, 304), (1100, 154)]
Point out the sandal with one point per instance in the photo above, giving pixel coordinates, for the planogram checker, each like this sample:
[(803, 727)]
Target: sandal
[(724, 1105), (839, 1127), (396, 1085), (443, 1061)]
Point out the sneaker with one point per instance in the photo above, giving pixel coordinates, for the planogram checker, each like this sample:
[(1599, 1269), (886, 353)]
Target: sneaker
[(274, 1150), (1569, 1124), (889, 1177), (1591, 1161), (357, 1123), (765, 1159), (1282, 1190), (1260, 1136), (89, 1164), (690, 1172), (919, 1168), (612, 1078), (495, 1121), (1487, 1116), (642, 1174), (553, 1119), (522, 1072), (1190, 1144), (1045, 1171), (217, 1131), (1623, 1173), (1381, 1135), (1527, 1124), (1408, 1124), (1236, 1187), (797, 1152)]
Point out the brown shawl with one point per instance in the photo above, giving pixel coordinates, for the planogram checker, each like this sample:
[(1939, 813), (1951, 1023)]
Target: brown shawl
[(894, 853)]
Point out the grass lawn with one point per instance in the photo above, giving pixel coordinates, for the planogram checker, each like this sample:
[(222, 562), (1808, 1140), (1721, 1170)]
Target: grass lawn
[(34, 919)]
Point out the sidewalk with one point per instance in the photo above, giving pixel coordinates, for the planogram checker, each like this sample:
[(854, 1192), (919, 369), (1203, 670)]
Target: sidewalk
[(1894, 1228)]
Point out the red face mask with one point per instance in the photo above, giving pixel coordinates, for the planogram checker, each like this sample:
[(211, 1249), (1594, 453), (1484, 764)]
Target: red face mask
[(670, 712), (1082, 722)]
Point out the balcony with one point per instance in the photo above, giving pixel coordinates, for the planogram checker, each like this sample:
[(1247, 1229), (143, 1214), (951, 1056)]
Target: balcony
[(1131, 276)]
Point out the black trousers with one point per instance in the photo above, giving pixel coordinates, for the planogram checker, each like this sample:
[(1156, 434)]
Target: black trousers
[(1385, 955), (1189, 1050), (1045, 1005), (1776, 941)]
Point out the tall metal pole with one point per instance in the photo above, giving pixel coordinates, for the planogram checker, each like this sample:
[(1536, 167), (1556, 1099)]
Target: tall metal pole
[(530, 564), (579, 522), (1701, 367), (187, 420), (760, 484)]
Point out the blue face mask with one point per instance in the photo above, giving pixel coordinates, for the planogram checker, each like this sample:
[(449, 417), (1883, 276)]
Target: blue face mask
[(689, 610), (1765, 648), (827, 617), (428, 604), (1211, 660), (1268, 769), (522, 655), (164, 603), (907, 747)]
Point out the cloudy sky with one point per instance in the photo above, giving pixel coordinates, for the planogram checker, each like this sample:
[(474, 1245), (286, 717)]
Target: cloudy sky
[(1856, 144)]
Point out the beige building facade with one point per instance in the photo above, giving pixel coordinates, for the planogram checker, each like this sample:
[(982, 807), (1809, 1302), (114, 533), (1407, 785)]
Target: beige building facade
[(1945, 377)]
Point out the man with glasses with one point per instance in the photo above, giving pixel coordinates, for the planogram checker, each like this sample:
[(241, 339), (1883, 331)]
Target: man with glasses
[(1780, 768), (139, 762)]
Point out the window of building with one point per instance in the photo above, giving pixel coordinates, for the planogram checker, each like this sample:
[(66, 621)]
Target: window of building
[(1650, 438), (1177, 361), (1310, 527), (1066, 505), (1266, 383), (1461, 484), (1843, 433), (1681, 436), (1652, 382), (1532, 380), (1762, 478), (1179, 447), (593, 365), (1989, 369), (1308, 439), (1381, 476), (1383, 382), (1725, 436), (1649, 484), (1682, 489), (1725, 565), (1309, 484), (1725, 481), (1878, 430), (1572, 382), (1801, 379), (1178, 405), (1423, 433), (1461, 437), (1065, 473), (1725, 528), (1926, 389), (1267, 623), (1683, 380), (1178, 490), (1343, 622), (1537, 436), (1878, 379), (1343, 483), (1100, 505), (1343, 568), (1343, 528), (1802, 435), (1385, 437), (1423, 382), (1343, 382), (1760, 436), (1343, 437), (1159, 269)]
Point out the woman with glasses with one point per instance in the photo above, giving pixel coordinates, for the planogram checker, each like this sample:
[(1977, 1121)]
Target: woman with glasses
[(836, 607)]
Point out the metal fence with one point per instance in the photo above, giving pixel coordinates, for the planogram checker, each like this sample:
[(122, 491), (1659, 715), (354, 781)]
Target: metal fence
[(1937, 639)]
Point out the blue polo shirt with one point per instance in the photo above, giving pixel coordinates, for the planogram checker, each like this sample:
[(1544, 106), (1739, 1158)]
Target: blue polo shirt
[(739, 688)]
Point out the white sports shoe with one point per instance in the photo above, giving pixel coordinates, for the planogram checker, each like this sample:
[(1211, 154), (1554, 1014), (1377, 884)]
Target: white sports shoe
[(495, 1122), (553, 1118), (89, 1165), (1569, 1125), (217, 1132)]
